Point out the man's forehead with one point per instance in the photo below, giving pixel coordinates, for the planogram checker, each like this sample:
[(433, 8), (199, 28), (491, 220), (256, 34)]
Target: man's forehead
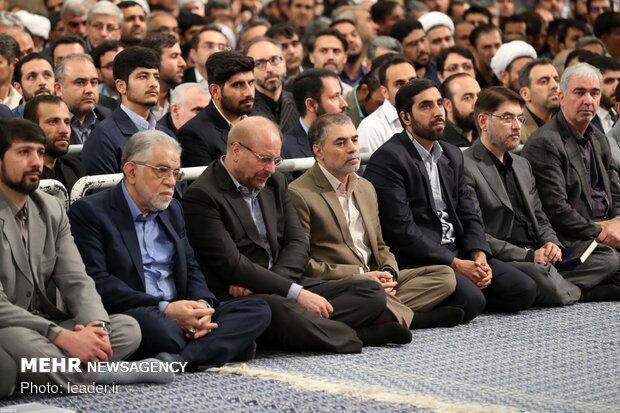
[(138, 70), (35, 64), (262, 49), (243, 76), (47, 109)]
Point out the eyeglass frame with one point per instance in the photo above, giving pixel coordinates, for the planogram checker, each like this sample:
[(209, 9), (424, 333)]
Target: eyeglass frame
[(164, 172), (263, 158), (100, 26), (504, 118), (274, 60), (220, 47)]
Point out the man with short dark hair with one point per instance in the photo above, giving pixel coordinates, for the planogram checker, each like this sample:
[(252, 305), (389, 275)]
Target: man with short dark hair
[(231, 83), (606, 114), (486, 40), (66, 45), (380, 125), (103, 59), (9, 55), (327, 49), (171, 67), (355, 67), (33, 76), (385, 14), (208, 40), (517, 229), (300, 12), (136, 72), (53, 117), (460, 93), (607, 28), (315, 91), (453, 60), (412, 36), (133, 30), (132, 239), (288, 36), (427, 213)]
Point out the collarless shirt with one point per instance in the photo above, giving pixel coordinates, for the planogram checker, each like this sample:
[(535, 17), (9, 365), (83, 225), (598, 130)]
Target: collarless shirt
[(355, 223), (430, 160), (250, 197), (83, 130), (598, 196), (157, 252), (141, 123), (522, 234)]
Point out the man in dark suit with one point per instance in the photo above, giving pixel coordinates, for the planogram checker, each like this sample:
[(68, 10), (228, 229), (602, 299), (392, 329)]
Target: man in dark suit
[(243, 225), (572, 164), (231, 84), (186, 101), (315, 91), (77, 83), (136, 72), (517, 229), (427, 212), (53, 117), (132, 240)]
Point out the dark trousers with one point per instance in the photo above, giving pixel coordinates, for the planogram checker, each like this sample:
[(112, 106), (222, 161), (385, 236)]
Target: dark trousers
[(510, 290), (357, 303), (240, 321)]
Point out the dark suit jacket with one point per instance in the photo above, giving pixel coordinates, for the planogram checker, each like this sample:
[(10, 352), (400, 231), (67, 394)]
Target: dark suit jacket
[(283, 113), (104, 231), (189, 75), (101, 112), (103, 148), (221, 229), (562, 181), (406, 208), (494, 205), (295, 143), (109, 103), (67, 170), (203, 138), (454, 135), (166, 122)]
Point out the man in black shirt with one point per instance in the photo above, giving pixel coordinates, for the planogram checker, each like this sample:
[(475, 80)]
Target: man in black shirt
[(53, 116), (460, 93), (517, 229)]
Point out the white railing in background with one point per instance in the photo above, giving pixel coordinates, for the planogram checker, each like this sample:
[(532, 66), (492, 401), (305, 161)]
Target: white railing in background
[(55, 188), (75, 149)]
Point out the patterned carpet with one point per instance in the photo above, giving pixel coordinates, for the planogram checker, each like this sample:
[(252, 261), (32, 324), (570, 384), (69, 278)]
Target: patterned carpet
[(544, 360)]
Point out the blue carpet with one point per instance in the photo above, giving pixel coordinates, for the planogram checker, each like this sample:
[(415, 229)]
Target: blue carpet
[(545, 360)]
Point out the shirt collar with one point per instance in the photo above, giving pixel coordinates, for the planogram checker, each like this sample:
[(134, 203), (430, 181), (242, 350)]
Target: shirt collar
[(435, 153), (243, 190), (338, 186), (390, 111), (89, 120), (303, 125), (139, 121), (136, 214)]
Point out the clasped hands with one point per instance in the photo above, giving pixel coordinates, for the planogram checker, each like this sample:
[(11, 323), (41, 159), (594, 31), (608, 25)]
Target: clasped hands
[(194, 317), (477, 269), (88, 343), (386, 280)]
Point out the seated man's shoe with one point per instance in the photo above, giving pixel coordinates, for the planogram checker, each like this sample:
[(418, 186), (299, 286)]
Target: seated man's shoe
[(386, 333), (438, 317), (248, 354)]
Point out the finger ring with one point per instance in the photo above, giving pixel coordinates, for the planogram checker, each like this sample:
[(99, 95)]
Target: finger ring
[(192, 330)]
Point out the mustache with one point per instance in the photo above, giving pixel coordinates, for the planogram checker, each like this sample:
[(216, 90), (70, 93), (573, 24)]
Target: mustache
[(33, 170)]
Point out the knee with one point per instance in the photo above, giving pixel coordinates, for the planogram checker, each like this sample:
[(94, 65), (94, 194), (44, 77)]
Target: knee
[(9, 374), (372, 296), (254, 311), (126, 332), (446, 276)]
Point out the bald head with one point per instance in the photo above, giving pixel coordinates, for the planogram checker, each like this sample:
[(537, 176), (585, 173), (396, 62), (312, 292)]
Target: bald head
[(254, 146)]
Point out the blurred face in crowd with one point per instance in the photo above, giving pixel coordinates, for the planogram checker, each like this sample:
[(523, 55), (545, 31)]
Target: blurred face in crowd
[(395, 77), (79, 87), (415, 46), (328, 54), (354, 41), (134, 25), (460, 107), (55, 120), (293, 52), (171, 65), (103, 27), (270, 68), (456, 63), (37, 79), (543, 92), (105, 73), (439, 38)]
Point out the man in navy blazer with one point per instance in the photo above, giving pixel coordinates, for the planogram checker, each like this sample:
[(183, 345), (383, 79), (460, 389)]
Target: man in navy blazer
[(132, 240), (427, 212), (136, 72)]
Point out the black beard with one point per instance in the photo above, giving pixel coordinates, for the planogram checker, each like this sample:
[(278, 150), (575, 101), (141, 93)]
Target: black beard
[(19, 186), (467, 123)]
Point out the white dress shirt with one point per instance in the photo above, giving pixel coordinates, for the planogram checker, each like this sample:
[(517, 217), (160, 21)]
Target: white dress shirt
[(378, 127)]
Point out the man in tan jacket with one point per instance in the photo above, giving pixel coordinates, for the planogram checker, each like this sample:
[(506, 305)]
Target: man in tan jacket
[(339, 213)]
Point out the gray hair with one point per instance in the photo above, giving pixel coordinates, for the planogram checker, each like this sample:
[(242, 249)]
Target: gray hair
[(318, 131), (75, 7), (140, 146), (384, 42), (179, 94), (105, 8), (10, 19), (585, 70), (586, 40), (59, 69)]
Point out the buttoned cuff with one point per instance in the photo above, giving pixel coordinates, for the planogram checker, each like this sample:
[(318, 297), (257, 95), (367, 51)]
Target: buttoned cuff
[(293, 291)]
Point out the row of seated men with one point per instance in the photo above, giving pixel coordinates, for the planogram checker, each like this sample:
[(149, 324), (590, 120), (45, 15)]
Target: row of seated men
[(307, 267)]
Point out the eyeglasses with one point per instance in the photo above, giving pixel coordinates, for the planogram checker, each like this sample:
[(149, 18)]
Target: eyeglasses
[(263, 158), (164, 171), (261, 64), (210, 46), (509, 118), (100, 26)]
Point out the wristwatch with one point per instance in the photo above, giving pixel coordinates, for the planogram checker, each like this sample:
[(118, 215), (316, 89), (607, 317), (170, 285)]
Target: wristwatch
[(104, 325)]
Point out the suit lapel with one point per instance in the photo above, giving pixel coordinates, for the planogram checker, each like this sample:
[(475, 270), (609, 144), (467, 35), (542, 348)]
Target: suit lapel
[(489, 171), (13, 235), (419, 163), (267, 203), (121, 215), (331, 198), (521, 175), (363, 200), (596, 146), (576, 161)]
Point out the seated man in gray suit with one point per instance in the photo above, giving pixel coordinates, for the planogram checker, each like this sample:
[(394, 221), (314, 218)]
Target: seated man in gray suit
[(38, 250), (339, 213), (573, 167), (516, 227)]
